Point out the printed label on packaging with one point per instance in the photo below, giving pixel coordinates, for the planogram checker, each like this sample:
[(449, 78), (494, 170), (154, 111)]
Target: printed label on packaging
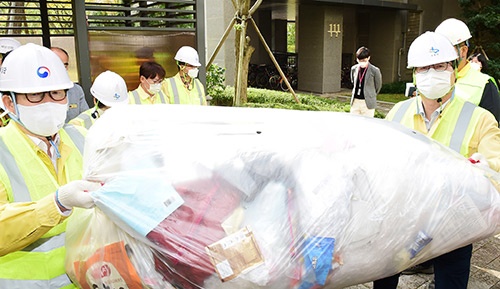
[(420, 242), (109, 268), (235, 254)]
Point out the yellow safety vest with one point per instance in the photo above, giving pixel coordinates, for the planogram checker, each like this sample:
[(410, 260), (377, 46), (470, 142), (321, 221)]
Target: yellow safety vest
[(28, 178), (461, 118), (85, 118), (470, 84), (137, 97), (179, 94)]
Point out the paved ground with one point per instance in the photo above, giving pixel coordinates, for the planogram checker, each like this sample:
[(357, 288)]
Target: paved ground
[(485, 269)]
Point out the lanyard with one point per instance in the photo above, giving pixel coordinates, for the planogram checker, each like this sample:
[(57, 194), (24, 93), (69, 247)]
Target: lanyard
[(363, 75)]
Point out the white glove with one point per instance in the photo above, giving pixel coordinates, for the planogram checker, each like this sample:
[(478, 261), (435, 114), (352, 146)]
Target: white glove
[(76, 194), (479, 160)]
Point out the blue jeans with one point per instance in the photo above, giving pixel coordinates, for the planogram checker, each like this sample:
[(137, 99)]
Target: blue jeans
[(451, 271)]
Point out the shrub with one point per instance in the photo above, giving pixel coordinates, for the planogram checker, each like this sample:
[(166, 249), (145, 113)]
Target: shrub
[(215, 80), (394, 87)]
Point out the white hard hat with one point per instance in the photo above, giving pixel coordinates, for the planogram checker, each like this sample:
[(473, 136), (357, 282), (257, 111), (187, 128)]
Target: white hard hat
[(455, 30), (8, 44), (188, 55), (110, 89), (33, 68), (430, 48)]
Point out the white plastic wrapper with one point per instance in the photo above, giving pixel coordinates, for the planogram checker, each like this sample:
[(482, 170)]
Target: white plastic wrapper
[(219, 197)]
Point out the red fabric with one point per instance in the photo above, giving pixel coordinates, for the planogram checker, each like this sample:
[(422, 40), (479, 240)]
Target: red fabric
[(184, 234)]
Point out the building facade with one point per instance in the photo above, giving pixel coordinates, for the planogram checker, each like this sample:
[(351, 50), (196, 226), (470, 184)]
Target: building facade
[(328, 32)]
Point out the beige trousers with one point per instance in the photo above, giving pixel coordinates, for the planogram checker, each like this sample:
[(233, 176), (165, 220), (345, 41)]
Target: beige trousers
[(359, 107)]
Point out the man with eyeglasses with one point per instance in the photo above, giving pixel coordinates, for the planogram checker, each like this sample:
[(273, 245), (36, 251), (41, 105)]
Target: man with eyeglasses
[(464, 127), (40, 170), (471, 85), (185, 87), (151, 74), (76, 96)]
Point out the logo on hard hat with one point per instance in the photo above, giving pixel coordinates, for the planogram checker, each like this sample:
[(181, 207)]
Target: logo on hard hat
[(434, 51), (116, 96), (43, 71)]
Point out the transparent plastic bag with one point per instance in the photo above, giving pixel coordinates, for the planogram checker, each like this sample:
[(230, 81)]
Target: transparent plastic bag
[(243, 198)]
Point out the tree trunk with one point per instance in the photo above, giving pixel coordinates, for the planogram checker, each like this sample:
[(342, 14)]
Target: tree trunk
[(243, 53)]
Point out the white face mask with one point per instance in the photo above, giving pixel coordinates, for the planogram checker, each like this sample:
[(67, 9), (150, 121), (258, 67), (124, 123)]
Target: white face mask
[(433, 84), (154, 88), (193, 72), (43, 119), (475, 66)]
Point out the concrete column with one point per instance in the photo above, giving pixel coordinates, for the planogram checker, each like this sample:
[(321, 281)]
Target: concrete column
[(218, 16), (264, 23), (280, 35), (320, 48)]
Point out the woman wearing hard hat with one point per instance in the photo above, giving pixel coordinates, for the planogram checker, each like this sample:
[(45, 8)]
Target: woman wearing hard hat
[(109, 89), (461, 125), (185, 87)]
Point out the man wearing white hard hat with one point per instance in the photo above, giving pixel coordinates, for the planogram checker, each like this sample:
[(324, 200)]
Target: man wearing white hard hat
[(471, 85), (109, 89), (464, 127), (185, 87), (40, 170)]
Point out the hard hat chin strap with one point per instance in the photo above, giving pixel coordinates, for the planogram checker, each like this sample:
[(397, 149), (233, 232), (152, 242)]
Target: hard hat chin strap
[(14, 116)]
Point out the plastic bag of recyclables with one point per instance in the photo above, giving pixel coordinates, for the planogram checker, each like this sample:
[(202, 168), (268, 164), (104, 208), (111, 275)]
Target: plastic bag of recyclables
[(218, 197)]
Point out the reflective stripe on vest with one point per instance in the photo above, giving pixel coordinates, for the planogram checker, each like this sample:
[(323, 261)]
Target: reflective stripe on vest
[(460, 129), (175, 91), (76, 136), (16, 179), (400, 113), (60, 282), (87, 120), (458, 136), (137, 98)]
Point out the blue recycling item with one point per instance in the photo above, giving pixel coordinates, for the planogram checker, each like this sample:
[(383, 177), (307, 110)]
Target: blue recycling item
[(318, 256), (125, 198)]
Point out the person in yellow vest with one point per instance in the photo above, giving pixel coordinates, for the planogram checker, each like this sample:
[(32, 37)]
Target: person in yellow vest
[(151, 75), (40, 170), (464, 127), (185, 87), (472, 85), (109, 89)]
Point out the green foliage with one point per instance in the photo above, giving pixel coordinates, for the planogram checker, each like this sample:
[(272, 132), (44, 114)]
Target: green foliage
[(283, 100), (215, 80), (391, 97), (483, 19), (394, 87), (290, 38)]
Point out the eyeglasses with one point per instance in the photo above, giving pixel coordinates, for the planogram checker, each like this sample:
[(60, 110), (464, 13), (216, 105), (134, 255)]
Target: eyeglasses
[(437, 67), (56, 95)]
